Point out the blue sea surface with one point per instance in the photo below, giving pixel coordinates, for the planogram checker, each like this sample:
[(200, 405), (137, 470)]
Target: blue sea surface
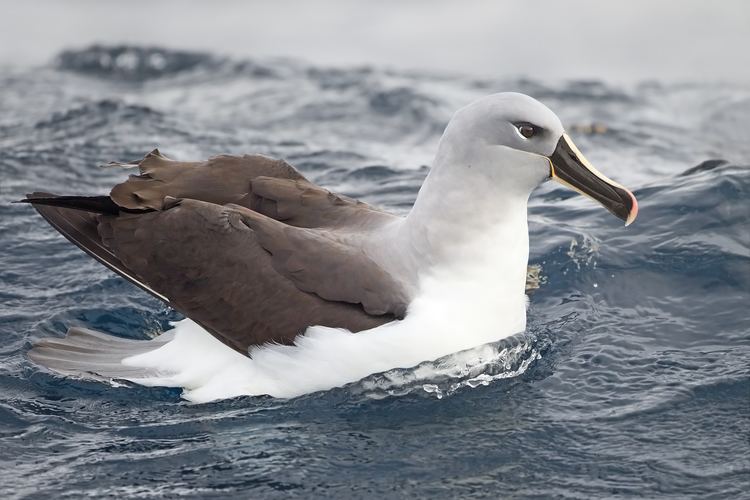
[(632, 380)]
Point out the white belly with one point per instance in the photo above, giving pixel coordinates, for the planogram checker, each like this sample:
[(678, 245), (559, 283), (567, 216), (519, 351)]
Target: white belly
[(448, 315)]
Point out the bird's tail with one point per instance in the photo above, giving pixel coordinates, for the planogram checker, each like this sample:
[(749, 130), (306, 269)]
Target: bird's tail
[(89, 354)]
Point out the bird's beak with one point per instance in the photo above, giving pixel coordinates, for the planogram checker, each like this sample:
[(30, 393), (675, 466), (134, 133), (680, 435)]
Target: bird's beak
[(569, 167)]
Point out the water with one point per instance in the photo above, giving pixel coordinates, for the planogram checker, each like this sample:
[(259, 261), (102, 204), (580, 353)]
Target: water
[(632, 379)]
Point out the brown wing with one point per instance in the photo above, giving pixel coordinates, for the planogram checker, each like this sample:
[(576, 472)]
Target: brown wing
[(300, 203), (222, 179), (319, 262), (210, 266), (205, 260), (268, 186)]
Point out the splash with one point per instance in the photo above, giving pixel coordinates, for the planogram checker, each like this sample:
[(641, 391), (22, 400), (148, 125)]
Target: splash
[(469, 369)]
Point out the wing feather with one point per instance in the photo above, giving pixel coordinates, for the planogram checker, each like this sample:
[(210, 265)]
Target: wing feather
[(317, 261), (211, 267)]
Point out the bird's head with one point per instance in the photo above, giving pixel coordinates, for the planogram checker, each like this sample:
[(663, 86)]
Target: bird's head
[(517, 142)]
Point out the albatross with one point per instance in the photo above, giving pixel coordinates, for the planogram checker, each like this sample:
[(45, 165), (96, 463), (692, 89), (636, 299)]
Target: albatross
[(288, 288)]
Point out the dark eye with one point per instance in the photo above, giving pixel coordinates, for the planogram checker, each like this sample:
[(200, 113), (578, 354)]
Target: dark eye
[(527, 129)]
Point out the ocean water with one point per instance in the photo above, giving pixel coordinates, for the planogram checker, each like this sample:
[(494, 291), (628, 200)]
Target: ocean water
[(632, 380)]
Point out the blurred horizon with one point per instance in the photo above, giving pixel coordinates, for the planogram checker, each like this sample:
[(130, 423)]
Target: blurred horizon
[(669, 41)]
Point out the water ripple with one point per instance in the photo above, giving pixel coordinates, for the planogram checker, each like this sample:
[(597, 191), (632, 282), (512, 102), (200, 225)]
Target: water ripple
[(632, 378)]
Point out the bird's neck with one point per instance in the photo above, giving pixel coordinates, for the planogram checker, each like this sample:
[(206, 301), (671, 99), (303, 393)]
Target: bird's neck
[(470, 260), (470, 234), (458, 211), (450, 232)]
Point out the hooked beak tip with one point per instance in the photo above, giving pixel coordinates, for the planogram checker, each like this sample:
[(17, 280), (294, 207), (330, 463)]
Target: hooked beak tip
[(568, 166), (633, 210)]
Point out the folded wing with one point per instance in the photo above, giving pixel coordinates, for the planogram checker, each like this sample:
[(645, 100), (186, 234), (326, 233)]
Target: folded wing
[(241, 245)]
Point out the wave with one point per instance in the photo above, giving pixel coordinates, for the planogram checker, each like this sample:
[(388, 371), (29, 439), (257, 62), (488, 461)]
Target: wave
[(97, 111), (130, 62)]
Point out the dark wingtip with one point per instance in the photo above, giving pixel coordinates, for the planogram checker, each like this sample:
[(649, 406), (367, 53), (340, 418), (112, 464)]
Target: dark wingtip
[(94, 204), (36, 195)]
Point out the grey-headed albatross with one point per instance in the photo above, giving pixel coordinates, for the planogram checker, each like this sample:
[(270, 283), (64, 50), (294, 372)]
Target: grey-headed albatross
[(291, 289)]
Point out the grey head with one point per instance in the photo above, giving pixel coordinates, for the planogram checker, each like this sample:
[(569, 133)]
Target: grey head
[(515, 142)]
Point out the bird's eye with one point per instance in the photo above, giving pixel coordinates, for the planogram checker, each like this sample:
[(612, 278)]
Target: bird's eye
[(526, 129)]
